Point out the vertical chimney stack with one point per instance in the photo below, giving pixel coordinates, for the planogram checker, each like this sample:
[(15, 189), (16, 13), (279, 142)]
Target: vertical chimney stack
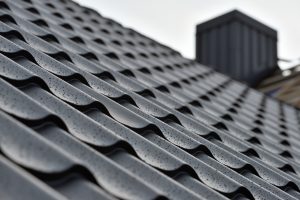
[(237, 45)]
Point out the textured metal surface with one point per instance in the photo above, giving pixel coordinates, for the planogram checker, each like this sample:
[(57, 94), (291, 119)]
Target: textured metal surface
[(238, 46), (90, 109)]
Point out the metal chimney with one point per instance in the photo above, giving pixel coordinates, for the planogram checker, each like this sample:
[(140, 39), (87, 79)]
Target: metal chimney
[(237, 45)]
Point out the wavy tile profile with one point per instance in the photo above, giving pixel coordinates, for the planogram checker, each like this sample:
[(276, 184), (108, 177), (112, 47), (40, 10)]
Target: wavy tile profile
[(90, 109)]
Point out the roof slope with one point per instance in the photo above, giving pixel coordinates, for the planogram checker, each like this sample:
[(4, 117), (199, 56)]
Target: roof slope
[(92, 110)]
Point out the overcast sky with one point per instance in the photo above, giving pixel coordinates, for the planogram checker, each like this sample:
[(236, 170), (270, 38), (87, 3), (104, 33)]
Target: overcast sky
[(173, 22)]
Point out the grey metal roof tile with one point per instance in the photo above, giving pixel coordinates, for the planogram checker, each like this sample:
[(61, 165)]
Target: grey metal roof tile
[(100, 111), (170, 187), (78, 124), (205, 173), (76, 187), (148, 152), (25, 186), (198, 187), (21, 146), (116, 182), (16, 103)]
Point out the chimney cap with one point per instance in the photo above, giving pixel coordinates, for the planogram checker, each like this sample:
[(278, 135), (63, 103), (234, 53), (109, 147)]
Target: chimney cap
[(236, 15)]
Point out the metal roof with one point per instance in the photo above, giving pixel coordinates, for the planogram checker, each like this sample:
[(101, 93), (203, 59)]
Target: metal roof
[(90, 109)]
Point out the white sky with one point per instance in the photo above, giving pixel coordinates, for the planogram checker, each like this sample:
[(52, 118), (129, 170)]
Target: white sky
[(173, 22)]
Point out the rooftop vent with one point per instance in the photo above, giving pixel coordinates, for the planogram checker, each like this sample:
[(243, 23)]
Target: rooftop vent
[(238, 46)]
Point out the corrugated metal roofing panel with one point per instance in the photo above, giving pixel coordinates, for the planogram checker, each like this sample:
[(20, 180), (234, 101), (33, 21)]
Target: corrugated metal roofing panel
[(92, 110)]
